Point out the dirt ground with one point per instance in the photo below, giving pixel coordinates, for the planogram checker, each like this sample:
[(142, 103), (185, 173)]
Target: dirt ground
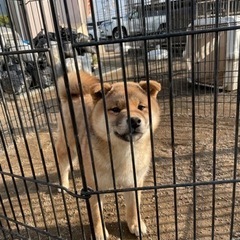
[(41, 201), (183, 212)]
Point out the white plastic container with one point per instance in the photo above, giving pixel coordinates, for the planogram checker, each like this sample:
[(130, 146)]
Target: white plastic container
[(84, 63), (157, 54), (55, 53), (25, 56), (204, 53)]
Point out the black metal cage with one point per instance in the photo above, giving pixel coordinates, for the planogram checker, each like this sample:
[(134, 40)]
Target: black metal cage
[(191, 48)]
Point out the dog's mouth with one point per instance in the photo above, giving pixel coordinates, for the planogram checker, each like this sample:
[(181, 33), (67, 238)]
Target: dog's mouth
[(127, 137)]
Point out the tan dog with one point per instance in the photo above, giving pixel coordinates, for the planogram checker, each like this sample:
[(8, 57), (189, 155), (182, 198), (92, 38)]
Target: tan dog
[(122, 129)]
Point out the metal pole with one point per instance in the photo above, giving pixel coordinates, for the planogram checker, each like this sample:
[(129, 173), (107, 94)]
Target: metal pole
[(228, 8), (22, 32)]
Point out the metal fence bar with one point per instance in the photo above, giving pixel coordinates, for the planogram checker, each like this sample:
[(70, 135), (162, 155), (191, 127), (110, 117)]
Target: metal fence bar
[(170, 73), (60, 47), (14, 182), (110, 191), (236, 151), (193, 133), (22, 172), (72, 172), (85, 187), (152, 143), (216, 67)]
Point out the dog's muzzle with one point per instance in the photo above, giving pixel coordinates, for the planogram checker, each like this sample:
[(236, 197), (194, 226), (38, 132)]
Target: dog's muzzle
[(133, 132)]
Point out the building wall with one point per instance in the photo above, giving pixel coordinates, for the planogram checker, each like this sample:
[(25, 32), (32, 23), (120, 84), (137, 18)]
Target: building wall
[(34, 16), (77, 13)]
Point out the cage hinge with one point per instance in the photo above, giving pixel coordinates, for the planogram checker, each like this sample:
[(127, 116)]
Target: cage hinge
[(86, 193)]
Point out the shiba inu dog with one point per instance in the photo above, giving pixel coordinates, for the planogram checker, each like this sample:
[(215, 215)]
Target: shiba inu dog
[(119, 143)]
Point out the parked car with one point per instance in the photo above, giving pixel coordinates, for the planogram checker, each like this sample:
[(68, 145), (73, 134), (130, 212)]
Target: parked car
[(152, 19), (132, 24), (105, 29), (91, 32)]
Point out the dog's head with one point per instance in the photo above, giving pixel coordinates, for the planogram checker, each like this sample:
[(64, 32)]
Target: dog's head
[(128, 114)]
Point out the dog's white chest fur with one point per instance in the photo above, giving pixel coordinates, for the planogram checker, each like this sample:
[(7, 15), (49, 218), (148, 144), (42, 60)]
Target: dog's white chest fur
[(119, 166)]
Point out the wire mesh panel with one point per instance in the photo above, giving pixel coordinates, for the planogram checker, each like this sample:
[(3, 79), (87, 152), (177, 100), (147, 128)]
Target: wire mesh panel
[(119, 119)]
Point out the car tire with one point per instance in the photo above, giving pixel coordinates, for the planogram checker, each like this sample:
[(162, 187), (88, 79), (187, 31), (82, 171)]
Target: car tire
[(90, 37), (115, 33)]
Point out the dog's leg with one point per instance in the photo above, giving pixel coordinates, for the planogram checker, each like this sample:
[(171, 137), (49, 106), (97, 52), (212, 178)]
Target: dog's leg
[(98, 226), (132, 213), (63, 160)]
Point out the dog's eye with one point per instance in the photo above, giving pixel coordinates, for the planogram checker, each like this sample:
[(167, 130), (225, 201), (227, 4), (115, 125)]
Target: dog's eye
[(141, 107), (115, 110)]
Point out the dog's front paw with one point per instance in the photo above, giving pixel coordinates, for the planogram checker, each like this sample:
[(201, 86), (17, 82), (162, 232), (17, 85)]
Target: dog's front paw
[(100, 236), (134, 228), (60, 189)]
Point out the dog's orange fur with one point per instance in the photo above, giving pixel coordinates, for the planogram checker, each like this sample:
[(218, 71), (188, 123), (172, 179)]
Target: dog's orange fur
[(119, 135)]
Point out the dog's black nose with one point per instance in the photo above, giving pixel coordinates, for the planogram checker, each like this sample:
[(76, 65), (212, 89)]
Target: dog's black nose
[(135, 122)]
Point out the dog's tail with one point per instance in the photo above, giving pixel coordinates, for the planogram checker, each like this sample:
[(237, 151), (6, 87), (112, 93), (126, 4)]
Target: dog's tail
[(86, 80)]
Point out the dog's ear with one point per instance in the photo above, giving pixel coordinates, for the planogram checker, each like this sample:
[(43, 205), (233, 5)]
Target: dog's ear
[(97, 91), (154, 87)]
